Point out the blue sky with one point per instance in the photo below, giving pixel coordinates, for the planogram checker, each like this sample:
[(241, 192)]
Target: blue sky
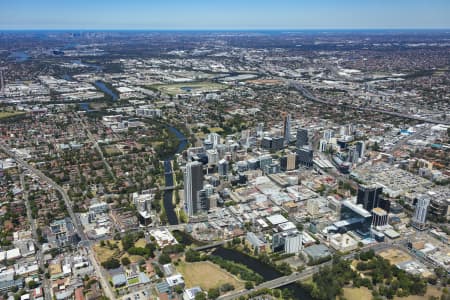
[(228, 14)]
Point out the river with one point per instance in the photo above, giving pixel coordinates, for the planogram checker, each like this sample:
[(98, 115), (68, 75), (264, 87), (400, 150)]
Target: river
[(168, 175), (102, 86), (267, 272)]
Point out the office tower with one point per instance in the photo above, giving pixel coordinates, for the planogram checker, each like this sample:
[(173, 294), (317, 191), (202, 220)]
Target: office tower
[(203, 201), (214, 138), (213, 156), (242, 166), (420, 213), (253, 164), (223, 168), (2, 82), (266, 143), (273, 168), (260, 129), (208, 145), (293, 243), (379, 217), (264, 161), (193, 184), (369, 197), (288, 162), (323, 145), (356, 217), (277, 143), (327, 134), (305, 156), (360, 148), (272, 143), (302, 137), (286, 127)]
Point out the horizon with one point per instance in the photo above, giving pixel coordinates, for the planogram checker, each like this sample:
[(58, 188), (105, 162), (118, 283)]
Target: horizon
[(200, 15), (280, 30)]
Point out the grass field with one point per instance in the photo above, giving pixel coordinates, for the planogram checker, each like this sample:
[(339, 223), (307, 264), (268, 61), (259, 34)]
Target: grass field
[(112, 150), (207, 275), (357, 293), (132, 281), (8, 114), (105, 253), (189, 87), (365, 293), (395, 256)]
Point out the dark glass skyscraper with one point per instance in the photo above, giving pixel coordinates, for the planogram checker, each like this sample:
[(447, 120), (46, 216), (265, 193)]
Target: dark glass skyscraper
[(371, 197), (193, 184), (302, 137)]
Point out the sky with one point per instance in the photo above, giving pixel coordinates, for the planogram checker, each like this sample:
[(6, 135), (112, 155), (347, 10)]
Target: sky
[(227, 14)]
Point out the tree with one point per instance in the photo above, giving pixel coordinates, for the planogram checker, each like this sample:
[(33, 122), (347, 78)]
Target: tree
[(164, 258), (200, 296), (192, 255), (213, 293), (32, 284), (248, 285), (128, 241), (111, 263), (125, 261)]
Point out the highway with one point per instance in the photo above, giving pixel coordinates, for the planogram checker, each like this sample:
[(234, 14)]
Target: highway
[(403, 141), (308, 95), (75, 220)]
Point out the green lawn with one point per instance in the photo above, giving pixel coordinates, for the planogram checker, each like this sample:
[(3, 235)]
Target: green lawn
[(189, 87), (8, 114)]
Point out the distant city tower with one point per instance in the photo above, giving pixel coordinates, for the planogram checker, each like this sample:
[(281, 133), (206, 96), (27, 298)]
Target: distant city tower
[(286, 127), (420, 213)]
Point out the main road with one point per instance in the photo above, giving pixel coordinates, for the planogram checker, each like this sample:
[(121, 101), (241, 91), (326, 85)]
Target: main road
[(75, 220), (97, 147), (308, 95)]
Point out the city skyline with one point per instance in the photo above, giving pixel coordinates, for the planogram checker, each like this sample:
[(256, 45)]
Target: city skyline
[(229, 15)]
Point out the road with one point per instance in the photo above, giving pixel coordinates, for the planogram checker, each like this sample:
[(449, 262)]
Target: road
[(308, 95), (403, 141), (97, 147), (104, 282), (40, 254), (308, 272)]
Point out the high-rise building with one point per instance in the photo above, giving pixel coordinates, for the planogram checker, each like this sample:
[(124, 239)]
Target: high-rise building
[(369, 197), (214, 138), (302, 137), (272, 143), (305, 156), (327, 134), (355, 218), (420, 213), (213, 156), (264, 161), (323, 145), (223, 167), (260, 129), (379, 217), (360, 148), (293, 243), (193, 184), (286, 127), (288, 162)]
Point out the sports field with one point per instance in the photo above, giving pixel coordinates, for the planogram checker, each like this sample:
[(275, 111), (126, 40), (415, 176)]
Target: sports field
[(207, 275)]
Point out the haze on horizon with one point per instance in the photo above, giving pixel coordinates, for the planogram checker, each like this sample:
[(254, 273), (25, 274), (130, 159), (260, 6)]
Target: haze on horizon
[(231, 14)]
